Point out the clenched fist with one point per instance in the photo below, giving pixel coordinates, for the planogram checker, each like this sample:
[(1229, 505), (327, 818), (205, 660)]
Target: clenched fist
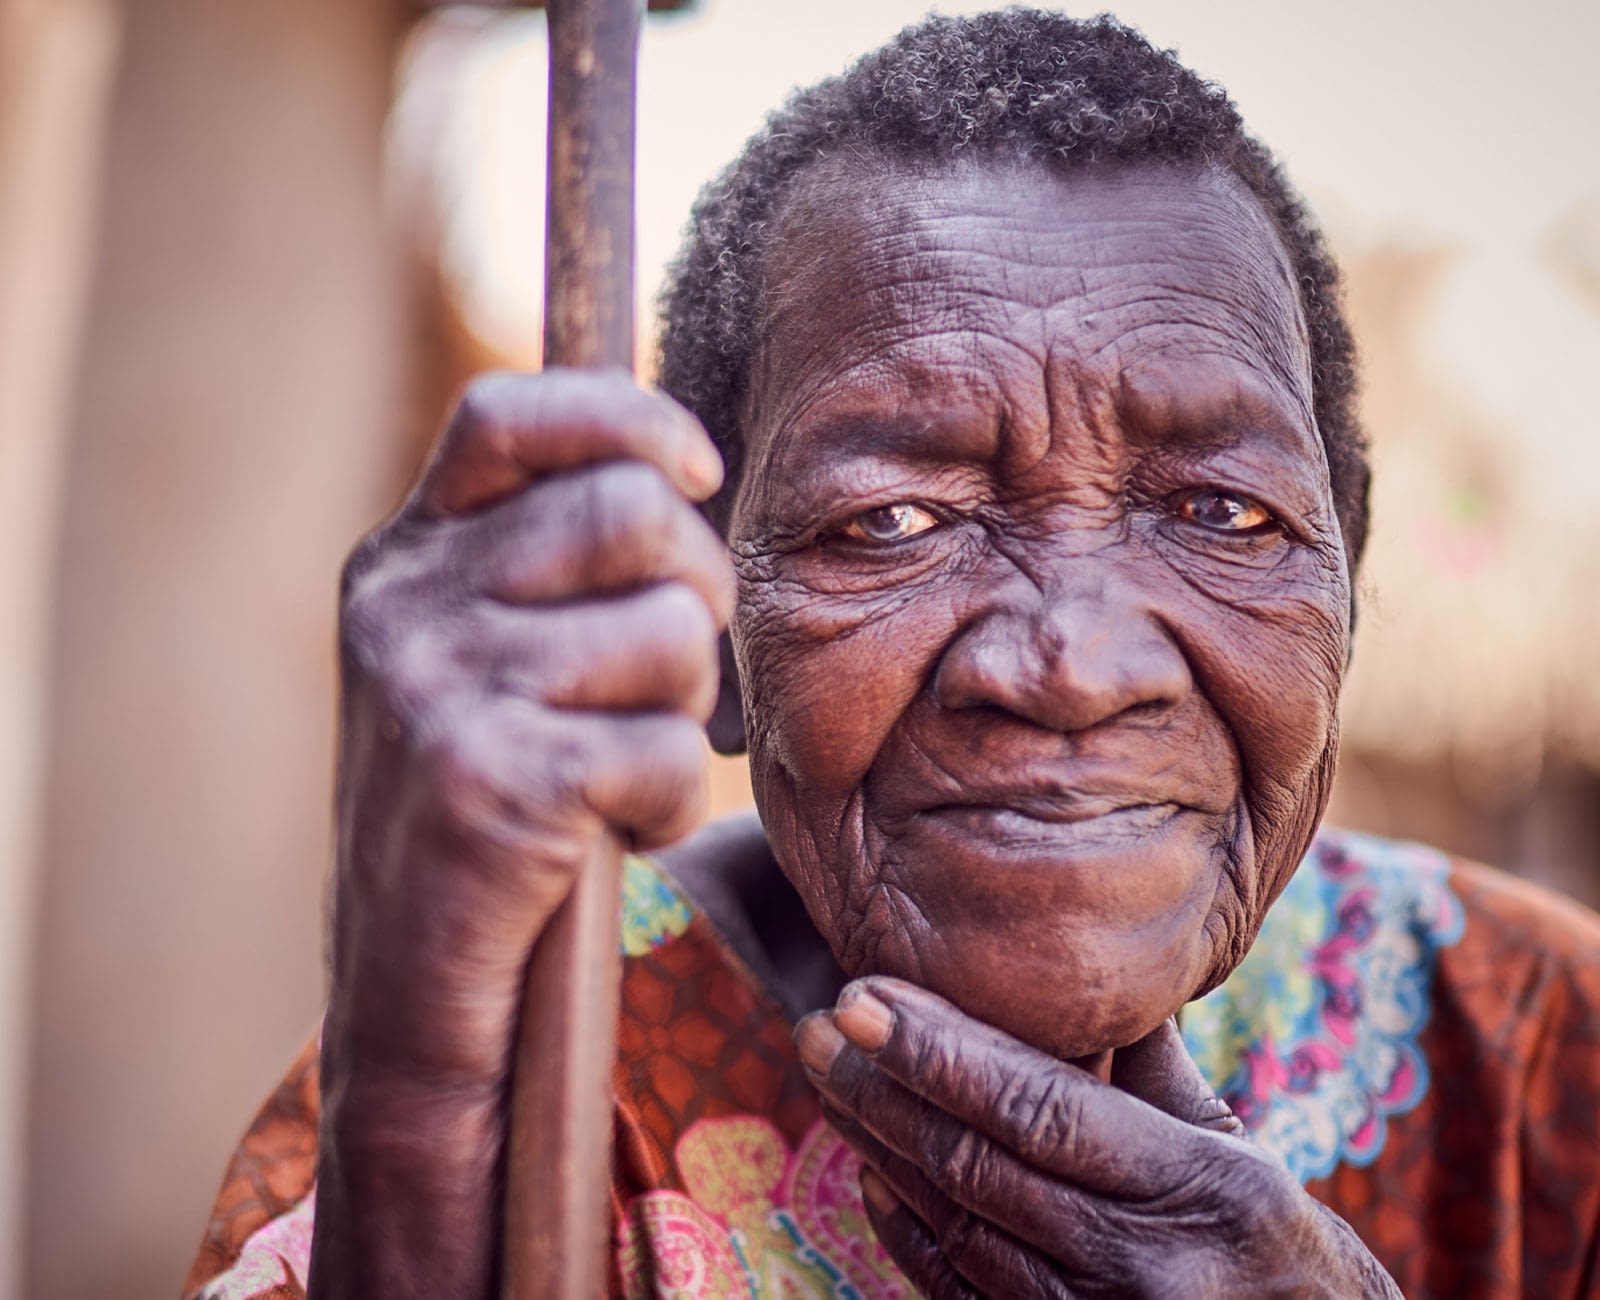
[(528, 657)]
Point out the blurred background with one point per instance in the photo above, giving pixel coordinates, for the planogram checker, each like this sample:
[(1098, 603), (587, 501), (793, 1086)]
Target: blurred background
[(248, 251)]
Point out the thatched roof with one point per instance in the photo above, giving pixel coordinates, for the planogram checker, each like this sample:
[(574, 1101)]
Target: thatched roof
[(1479, 623)]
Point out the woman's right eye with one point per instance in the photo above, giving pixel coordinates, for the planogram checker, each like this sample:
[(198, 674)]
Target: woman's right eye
[(889, 524)]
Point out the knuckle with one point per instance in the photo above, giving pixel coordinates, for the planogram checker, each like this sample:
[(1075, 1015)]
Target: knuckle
[(507, 812), (460, 774), (380, 588), (368, 630), (502, 765), (961, 1164), (363, 558), (361, 628), (481, 411), (677, 753), (682, 614), (411, 665), (679, 757), (630, 503), (684, 748), (1056, 1135), (960, 1238), (931, 1056), (567, 758), (1034, 1114)]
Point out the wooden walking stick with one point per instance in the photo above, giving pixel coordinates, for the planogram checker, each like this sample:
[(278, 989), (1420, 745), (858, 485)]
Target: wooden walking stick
[(558, 1175)]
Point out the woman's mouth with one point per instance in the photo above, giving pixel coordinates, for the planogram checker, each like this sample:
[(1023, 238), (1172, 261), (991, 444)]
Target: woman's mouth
[(1071, 824)]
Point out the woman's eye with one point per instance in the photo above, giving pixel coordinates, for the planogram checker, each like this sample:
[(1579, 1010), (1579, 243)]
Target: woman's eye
[(889, 524), (1225, 512)]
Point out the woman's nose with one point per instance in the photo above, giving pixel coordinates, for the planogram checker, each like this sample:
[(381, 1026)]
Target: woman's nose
[(1068, 659)]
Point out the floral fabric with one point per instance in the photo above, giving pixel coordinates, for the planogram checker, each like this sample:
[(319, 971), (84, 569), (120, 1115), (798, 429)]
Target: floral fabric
[(1313, 1039), (756, 1218), (1419, 1039)]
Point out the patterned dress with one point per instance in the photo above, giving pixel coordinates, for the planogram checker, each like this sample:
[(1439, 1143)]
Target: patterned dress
[(1418, 1038)]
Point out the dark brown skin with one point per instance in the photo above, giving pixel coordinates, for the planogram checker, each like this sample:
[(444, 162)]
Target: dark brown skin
[(994, 1169), (529, 651), (1041, 622), (1051, 756)]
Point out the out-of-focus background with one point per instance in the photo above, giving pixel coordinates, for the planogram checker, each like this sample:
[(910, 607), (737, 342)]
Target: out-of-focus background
[(248, 250)]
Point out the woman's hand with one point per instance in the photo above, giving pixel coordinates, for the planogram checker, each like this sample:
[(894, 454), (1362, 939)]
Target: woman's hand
[(993, 1169), (528, 655)]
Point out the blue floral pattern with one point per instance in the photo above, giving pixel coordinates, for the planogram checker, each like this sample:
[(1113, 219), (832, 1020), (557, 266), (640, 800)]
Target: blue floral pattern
[(1313, 1040), (653, 911)]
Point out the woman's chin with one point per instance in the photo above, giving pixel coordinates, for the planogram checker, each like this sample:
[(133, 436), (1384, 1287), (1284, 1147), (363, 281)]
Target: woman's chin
[(1076, 953), (1077, 1001)]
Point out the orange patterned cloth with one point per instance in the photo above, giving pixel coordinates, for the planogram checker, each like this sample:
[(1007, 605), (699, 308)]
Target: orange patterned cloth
[(1419, 1039)]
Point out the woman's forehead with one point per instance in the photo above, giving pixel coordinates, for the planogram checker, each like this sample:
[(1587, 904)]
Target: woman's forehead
[(882, 283)]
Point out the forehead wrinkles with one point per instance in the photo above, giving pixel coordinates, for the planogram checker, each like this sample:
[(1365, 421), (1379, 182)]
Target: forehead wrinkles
[(873, 275), (854, 287)]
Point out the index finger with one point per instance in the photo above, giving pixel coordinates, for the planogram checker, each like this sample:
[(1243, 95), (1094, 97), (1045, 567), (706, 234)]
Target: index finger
[(509, 429), (1057, 1117)]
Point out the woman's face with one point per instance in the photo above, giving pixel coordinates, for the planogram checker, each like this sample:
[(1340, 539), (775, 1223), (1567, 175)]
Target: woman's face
[(1043, 600)]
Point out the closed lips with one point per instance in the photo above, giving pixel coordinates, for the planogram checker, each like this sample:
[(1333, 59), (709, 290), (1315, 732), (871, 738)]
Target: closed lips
[(1068, 809)]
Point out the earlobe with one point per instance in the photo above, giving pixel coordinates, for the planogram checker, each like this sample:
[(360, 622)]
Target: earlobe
[(725, 729)]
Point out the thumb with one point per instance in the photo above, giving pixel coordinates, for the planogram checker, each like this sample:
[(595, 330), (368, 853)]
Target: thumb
[(1159, 1070)]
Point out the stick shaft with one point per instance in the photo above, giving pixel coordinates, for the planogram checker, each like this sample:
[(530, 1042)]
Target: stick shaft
[(557, 1209), (588, 277), (558, 1166)]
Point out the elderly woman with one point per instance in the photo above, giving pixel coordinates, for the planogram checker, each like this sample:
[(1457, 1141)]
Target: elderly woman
[(1035, 494)]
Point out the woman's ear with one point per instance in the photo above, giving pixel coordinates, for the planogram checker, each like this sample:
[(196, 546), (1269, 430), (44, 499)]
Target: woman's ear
[(725, 730)]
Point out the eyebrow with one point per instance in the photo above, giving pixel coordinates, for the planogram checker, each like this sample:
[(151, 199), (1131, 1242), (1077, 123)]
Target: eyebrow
[(920, 437), (1209, 400)]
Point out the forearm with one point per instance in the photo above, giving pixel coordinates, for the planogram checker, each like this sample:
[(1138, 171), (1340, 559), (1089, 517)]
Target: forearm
[(407, 1189)]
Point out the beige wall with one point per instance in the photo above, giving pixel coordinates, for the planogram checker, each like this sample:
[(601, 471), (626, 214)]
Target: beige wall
[(234, 404), (55, 72)]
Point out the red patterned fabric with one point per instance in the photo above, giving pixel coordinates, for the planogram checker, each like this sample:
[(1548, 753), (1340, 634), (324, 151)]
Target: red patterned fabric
[(1491, 1186), (1483, 1183)]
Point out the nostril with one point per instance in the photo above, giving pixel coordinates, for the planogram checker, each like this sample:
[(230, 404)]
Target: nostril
[(1066, 662), (1144, 711)]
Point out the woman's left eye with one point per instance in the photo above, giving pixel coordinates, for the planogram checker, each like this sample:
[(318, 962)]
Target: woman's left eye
[(886, 524), (1224, 512)]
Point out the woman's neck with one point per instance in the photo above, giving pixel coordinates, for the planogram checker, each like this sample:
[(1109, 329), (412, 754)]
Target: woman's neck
[(728, 871)]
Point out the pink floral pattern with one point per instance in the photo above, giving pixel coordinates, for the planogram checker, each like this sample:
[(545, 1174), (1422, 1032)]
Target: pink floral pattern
[(1314, 1039), (279, 1255), (758, 1220)]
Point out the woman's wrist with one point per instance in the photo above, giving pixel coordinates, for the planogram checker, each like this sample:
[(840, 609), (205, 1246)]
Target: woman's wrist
[(407, 1188)]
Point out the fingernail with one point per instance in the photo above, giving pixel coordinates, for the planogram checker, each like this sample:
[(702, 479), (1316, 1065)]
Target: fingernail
[(877, 1192), (702, 466), (818, 1042), (862, 1019)]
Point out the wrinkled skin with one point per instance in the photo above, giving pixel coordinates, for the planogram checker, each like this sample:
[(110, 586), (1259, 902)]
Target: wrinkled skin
[(994, 1169), (1052, 755), (1040, 624), (529, 651), (1043, 611)]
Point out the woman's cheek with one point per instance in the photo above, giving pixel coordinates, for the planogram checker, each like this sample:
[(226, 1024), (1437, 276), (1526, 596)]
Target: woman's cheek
[(827, 677), (1267, 637), (827, 674), (1282, 703)]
